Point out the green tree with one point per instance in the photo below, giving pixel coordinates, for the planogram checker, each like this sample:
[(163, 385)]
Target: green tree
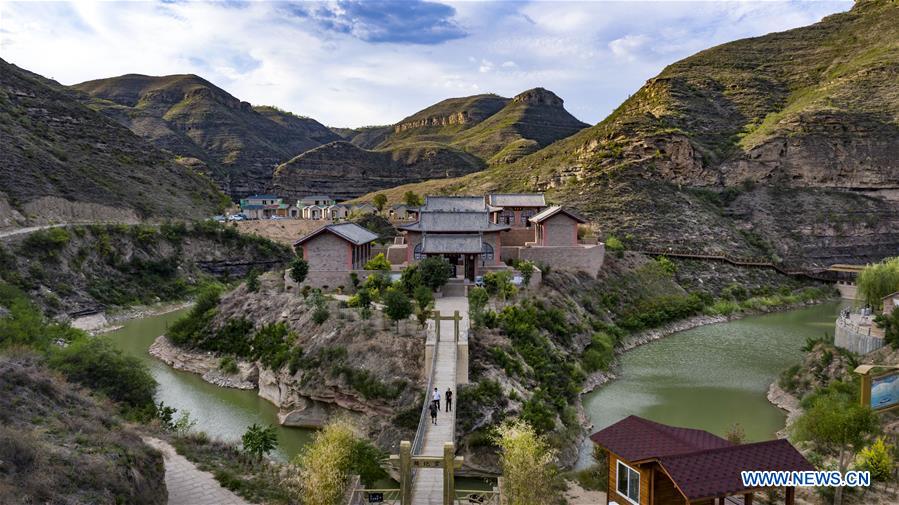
[(379, 262), (380, 200), (499, 284), (879, 280), (477, 304), (435, 272), (412, 199), (325, 464), (837, 422), (424, 301), (397, 305), (528, 465), (878, 459), (260, 440), (299, 269)]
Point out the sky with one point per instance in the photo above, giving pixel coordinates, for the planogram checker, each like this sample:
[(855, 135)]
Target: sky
[(371, 62)]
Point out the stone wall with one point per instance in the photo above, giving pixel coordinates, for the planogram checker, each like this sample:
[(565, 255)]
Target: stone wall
[(585, 258), (846, 336), (396, 254)]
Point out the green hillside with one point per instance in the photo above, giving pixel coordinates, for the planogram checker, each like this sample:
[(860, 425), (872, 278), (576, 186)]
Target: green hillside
[(64, 162)]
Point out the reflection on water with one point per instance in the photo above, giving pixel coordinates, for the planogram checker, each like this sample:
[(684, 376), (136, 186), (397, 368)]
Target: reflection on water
[(710, 377), (222, 413)]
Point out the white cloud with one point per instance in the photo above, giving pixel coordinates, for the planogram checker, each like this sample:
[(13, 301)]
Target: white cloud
[(592, 54)]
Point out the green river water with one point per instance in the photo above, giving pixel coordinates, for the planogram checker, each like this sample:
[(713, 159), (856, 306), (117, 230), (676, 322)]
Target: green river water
[(710, 377), (221, 412)]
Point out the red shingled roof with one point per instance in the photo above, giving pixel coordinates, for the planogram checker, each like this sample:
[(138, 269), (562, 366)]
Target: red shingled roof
[(636, 439), (716, 472), (701, 464)]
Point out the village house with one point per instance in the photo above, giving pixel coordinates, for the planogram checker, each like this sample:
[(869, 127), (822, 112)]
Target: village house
[(402, 212), (333, 252), (364, 209), (313, 212), (336, 212), (656, 464), (263, 207)]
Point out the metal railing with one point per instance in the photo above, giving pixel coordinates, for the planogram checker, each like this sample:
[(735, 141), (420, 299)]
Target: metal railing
[(477, 497), (423, 418)]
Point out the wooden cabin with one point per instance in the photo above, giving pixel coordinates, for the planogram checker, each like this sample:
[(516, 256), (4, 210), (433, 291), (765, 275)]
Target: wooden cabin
[(656, 464)]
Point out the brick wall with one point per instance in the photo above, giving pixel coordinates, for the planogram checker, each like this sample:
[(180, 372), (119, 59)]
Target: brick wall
[(327, 252), (559, 230), (518, 236), (586, 258)]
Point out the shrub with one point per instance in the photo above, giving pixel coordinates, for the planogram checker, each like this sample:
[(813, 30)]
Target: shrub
[(379, 201), (878, 459), (299, 269), (600, 353), (259, 440), (528, 465), (379, 262), (47, 242), (477, 303), (95, 363), (667, 266), (271, 345), (527, 271), (499, 284), (327, 462), (723, 308), (228, 365), (424, 301), (193, 327), (615, 245), (253, 281), (411, 199), (659, 310)]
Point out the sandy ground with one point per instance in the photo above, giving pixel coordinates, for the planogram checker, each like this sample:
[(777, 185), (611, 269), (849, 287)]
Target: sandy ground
[(576, 495), (285, 231)]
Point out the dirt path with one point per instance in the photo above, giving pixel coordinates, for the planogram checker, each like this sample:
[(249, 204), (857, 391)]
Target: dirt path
[(188, 485)]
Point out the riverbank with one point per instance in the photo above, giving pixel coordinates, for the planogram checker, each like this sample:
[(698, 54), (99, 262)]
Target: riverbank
[(786, 402), (600, 379), (205, 364)]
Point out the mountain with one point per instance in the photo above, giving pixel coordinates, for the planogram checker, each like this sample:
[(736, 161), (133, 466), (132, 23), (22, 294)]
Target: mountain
[(62, 161), (785, 145), (238, 143), (454, 137)]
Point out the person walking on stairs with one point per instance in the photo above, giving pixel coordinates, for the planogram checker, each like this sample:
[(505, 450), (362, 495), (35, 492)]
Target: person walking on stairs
[(436, 398), (449, 400), (433, 408)]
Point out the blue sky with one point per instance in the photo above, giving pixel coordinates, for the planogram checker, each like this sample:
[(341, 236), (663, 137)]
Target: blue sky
[(355, 63)]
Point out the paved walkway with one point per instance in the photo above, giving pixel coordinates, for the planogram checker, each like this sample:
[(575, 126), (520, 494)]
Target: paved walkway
[(427, 488), (188, 485)]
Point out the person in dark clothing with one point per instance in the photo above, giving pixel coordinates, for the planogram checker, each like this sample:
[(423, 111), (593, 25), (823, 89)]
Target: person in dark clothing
[(449, 400), (433, 408)]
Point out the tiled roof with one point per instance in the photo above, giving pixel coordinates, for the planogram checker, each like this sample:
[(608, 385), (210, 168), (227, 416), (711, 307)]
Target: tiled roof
[(454, 204), (261, 197), (459, 222), (350, 232), (716, 472), (552, 211), (517, 200), (455, 243), (637, 439)]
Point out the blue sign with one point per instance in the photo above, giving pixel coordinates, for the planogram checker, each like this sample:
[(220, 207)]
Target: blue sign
[(885, 391), (375, 497)]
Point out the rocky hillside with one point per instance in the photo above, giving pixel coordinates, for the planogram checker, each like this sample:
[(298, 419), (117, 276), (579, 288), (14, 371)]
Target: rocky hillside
[(80, 268), (238, 143), (785, 145), (62, 161), (60, 445), (312, 362), (454, 137)]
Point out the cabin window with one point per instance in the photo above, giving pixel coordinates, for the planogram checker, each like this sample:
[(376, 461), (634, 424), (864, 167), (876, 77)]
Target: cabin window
[(507, 217), (416, 253), (628, 483)]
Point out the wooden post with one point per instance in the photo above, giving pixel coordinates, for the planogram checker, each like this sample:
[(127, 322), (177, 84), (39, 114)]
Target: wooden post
[(437, 324), (502, 494), (791, 496), (405, 472), (747, 498), (456, 319), (865, 395), (449, 485)]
